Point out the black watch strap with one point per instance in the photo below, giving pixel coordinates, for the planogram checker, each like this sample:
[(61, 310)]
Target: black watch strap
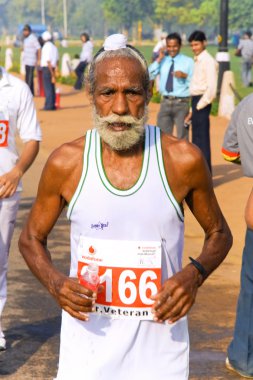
[(198, 266)]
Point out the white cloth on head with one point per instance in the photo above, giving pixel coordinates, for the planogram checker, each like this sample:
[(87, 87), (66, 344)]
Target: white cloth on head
[(115, 42), (46, 36)]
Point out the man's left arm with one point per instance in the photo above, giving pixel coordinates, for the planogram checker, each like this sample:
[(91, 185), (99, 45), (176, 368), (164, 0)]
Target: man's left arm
[(178, 293), (30, 133), (211, 70)]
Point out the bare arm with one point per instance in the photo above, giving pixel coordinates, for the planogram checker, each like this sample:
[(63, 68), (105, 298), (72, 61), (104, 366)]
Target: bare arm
[(249, 211), (38, 57), (192, 183), (9, 181), (59, 179)]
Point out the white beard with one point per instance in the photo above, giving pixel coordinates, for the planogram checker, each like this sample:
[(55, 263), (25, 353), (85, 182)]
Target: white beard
[(121, 140)]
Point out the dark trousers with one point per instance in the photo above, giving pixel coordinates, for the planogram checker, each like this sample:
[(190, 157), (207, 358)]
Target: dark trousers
[(49, 89), (80, 75), (29, 70), (240, 350), (201, 129)]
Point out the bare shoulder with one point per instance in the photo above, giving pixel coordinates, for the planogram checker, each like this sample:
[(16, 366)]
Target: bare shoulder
[(67, 155), (63, 169), (185, 166)]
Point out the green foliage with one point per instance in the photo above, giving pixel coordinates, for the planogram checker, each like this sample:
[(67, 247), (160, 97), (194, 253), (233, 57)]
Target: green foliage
[(200, 12), (125, 13), (240, 14)]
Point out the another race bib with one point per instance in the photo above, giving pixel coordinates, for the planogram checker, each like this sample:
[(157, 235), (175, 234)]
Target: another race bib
[(130, 272), (4, 131)]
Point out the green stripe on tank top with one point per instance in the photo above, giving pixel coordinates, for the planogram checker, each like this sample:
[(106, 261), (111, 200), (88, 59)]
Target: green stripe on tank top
[(166, 185), (144, 170), (79, 188)]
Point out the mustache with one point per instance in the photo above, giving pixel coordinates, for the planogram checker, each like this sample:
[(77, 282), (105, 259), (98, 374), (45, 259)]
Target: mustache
[(127, 120)]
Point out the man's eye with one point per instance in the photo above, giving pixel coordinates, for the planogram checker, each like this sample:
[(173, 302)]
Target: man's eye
[(107, 93)]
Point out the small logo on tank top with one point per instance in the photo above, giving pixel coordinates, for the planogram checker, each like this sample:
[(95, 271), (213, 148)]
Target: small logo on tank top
[(99, 226)]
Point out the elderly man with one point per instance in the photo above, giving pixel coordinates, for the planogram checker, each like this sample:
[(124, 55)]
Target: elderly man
[(124, 184), (17, 115), (237, 148)]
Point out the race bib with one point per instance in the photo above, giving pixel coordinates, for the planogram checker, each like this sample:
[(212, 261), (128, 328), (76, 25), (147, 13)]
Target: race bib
[(4, 131), (130, 272)]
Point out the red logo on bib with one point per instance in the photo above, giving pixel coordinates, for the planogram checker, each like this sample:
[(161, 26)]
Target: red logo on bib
[(91, 250)]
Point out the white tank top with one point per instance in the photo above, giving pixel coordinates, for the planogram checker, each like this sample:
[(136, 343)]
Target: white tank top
[(113, 348)]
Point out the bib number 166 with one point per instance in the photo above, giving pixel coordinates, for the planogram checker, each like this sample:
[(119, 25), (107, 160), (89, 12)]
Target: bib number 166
[(128, 287)]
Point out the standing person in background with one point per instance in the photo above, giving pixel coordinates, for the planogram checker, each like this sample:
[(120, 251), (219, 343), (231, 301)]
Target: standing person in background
[(203, 89), (49, 63), (245, 50), (32, 55), (238, 148), (17, 115), (85, 59), (175, 70)]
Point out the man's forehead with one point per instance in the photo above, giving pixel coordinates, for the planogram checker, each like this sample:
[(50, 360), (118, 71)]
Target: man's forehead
[(119, 67)]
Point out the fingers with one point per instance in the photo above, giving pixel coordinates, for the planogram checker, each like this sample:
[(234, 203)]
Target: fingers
[(6, 190), (172, 309), (76, 299), (172, 302)]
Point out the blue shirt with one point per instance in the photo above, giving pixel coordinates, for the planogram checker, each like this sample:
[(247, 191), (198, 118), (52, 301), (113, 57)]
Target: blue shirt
[(180, 85)]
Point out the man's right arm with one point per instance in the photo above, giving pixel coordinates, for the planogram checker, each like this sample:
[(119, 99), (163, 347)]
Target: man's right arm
[(155, 67), (57, 178), (249, 211), (230, 148)]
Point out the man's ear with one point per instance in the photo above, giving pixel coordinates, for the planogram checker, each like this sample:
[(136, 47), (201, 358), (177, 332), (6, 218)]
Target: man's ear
[(88, 93), (150, 90)]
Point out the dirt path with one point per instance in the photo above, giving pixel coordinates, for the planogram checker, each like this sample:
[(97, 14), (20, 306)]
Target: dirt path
[(32, 320)]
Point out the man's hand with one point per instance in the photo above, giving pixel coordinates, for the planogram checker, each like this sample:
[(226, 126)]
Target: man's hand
[(180, 74), (74, 298), (188, 118), (176, 296), (161, 55), (9, 182)]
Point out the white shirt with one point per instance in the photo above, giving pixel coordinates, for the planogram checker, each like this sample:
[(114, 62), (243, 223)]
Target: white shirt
[(17, 115), (246, 47), (107, 348), (204, 79), (87, 51), (31, 46), (49, 53)]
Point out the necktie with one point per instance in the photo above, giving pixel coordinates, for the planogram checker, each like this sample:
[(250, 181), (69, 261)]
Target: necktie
[(169, 83)]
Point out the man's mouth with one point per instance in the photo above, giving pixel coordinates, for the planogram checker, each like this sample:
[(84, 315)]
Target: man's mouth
[(118, 126)]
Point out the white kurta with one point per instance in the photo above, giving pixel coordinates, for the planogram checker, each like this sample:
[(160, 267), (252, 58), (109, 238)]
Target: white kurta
[(115, 346)]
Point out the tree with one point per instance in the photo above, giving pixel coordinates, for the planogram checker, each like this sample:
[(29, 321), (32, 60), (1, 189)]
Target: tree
[(200, 12), (240, 14), (125, 13)]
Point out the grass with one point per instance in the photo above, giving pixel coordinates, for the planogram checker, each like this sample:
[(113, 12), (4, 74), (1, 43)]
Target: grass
[(146, 50)]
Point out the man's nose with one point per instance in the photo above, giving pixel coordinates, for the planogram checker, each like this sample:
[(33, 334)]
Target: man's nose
[(120, 104)]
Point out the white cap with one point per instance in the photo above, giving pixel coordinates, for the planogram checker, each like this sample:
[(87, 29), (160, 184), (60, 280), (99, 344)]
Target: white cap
[(115, 42), (46, 36)]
